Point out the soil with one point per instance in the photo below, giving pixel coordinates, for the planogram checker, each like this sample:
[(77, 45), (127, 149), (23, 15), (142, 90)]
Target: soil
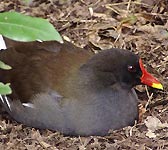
[(139, 26)]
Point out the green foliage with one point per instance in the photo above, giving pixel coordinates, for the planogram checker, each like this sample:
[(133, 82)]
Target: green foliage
[(27, 1), (20, 27), (5, 89), (4, 66), (131, 19)]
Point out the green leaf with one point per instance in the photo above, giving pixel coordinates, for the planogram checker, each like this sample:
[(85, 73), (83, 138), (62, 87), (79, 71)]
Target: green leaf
[(4, 66), (20, 27), (131, 19), (5, 89), (27, 1)]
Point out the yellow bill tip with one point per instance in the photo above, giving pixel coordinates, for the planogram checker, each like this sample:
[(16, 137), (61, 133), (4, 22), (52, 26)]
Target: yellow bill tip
[(157, 86)]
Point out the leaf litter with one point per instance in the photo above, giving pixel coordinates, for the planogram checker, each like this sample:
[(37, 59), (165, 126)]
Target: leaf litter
[(139, 26)]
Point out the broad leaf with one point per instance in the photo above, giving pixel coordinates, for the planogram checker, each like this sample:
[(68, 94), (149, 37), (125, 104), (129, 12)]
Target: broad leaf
[(20, 27), (4, 66), (5, 89)]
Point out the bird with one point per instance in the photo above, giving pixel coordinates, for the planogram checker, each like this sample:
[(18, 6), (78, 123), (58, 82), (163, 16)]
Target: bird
[(65, 88)]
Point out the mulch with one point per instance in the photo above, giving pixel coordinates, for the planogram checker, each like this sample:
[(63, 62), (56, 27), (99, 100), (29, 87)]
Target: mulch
[(138, 26)]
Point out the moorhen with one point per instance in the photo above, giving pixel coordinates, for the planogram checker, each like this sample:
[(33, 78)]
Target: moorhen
[(65, 88)]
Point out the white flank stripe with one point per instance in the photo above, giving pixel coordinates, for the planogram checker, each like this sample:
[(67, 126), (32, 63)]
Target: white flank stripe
[(1, 98), (28, 105), (6, 99)]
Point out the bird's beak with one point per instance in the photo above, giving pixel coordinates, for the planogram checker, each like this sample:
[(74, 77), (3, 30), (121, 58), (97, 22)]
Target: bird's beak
[(148, 79)]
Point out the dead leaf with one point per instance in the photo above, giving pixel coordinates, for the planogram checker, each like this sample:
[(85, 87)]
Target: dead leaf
[(150, 134), (153, 123)]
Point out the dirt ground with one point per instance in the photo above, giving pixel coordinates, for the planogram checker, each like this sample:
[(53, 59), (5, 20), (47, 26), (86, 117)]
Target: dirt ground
[(137, 25)]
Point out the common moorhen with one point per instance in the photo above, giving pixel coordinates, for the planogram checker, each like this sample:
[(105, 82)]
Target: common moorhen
[(62, 87)]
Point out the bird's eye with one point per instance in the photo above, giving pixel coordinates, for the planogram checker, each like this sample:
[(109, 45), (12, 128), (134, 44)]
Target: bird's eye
[(131, 68)]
